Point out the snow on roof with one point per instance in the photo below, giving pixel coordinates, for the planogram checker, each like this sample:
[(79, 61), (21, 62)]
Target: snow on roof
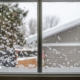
[(54, 30), (27, 58), (26, 49)]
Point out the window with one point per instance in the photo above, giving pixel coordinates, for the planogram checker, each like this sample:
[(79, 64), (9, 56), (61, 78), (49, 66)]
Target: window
[(61, 36), (55, 49)]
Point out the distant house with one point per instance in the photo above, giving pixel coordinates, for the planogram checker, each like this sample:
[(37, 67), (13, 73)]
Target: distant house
[(27, 58), (61, 44)]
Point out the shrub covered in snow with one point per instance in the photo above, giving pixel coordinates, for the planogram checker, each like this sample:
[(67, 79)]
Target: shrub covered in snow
[(8, 59)]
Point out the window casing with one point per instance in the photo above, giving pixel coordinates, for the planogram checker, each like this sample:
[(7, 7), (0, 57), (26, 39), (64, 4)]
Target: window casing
[(39, 10)]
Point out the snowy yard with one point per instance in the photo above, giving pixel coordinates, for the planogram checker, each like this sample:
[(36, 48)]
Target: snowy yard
[(45, 69), (21, 69), (62, 69)]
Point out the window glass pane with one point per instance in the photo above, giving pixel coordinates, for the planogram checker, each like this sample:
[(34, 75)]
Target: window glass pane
[(61, 40), (18, 21)]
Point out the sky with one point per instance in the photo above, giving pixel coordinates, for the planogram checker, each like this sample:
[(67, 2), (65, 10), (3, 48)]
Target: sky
[(65, 11)]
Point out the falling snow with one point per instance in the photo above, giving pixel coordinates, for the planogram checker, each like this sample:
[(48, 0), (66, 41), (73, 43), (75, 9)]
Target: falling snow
[(59, 38)]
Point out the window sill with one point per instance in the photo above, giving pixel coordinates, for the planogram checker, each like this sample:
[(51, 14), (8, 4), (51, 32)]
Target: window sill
[(40, 75)]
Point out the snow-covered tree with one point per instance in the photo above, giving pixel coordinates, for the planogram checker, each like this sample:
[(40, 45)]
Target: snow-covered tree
[(11, 20)]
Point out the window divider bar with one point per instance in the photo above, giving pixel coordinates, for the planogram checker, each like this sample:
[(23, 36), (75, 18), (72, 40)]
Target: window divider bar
[(39, 37)]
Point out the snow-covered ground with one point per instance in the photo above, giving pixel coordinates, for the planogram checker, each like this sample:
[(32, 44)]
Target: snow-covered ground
[(45, 70), (20, 69), (62, 69), (35, 57)]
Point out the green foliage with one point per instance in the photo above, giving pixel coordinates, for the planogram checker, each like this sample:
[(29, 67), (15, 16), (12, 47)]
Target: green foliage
[(12, 18), (25, 13)]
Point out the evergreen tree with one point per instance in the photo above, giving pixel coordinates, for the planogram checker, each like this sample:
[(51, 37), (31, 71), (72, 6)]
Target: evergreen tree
[(11, 20)]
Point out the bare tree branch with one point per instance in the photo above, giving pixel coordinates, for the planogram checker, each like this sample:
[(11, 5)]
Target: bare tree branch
[(33, 26), (49, 22)]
